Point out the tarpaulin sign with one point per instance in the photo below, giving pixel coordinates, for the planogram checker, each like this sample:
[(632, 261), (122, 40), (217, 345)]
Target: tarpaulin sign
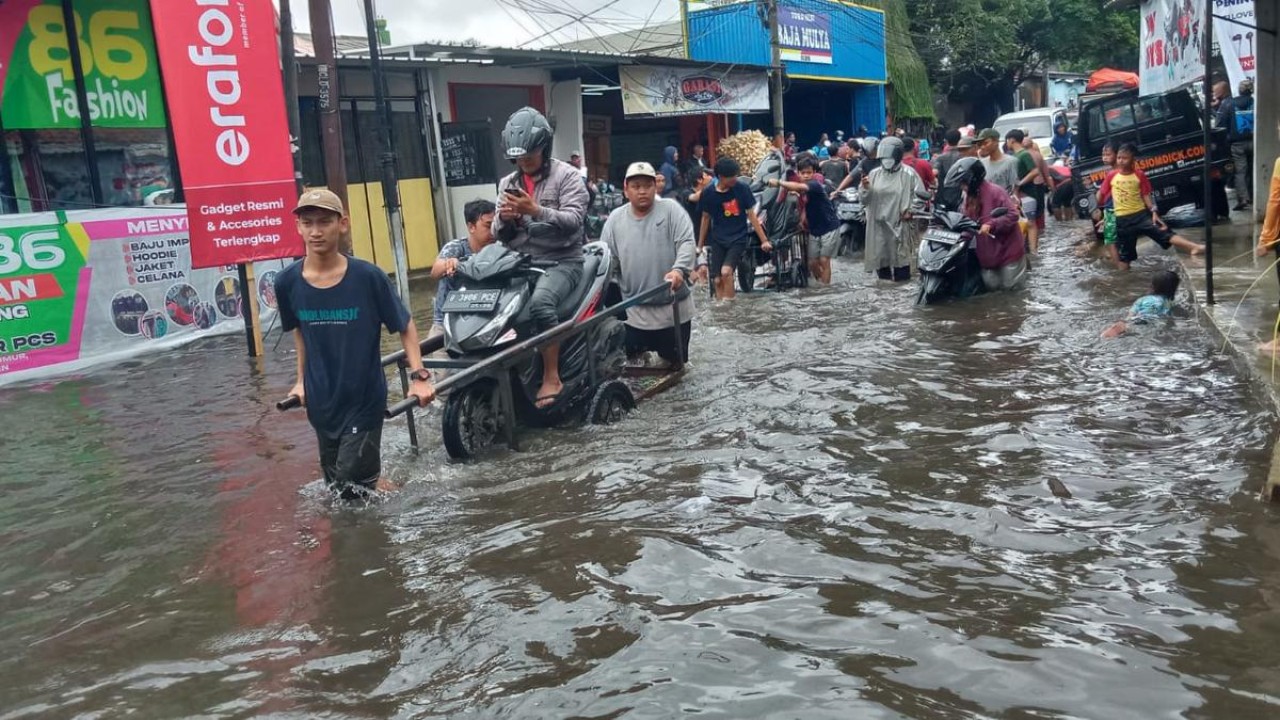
[(1233, 28), (1173, 45), (226, 100), (117, 55), (804, 36), (659, 90)]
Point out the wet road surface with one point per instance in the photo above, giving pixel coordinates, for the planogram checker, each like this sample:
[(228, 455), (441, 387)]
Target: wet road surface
[(843, 511)]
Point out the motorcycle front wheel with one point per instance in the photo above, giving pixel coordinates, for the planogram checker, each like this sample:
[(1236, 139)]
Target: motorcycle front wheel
[(472, 420)]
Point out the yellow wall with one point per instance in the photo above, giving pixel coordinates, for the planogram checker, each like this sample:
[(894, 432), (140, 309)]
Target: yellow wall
[(370, 238)]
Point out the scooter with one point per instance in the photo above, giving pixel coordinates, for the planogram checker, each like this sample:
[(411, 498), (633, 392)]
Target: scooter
[(948, 261), (489, 311), (853, 221)]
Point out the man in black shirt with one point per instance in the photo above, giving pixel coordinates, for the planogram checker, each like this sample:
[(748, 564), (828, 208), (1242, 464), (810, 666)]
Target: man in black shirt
[(836, 167), (728, 216), (334, 306)]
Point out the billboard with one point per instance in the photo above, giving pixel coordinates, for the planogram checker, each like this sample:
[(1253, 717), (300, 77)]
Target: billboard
[(804, 36), (222, 74), (652, 90), (1173, 45), (117, 55), (1233, 27)]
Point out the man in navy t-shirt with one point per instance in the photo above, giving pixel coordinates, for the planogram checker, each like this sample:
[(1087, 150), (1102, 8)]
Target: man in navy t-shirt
[(335, 306), (820, 222), (727, 207)]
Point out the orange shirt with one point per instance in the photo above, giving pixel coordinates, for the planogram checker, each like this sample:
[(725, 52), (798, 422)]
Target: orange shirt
[(1271, 225)]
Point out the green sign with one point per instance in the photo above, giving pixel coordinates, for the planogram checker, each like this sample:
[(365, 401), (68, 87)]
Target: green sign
[(39, 289), (117, 53)]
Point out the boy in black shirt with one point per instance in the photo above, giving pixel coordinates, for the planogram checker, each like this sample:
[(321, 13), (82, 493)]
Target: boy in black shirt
[(727, 206), (820, 221), (334, 305)]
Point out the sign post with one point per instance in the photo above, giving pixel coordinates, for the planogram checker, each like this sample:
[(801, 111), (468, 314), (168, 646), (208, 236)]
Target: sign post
[(232, 135)]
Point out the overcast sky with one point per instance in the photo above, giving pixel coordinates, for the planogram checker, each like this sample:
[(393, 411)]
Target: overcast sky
[(492, 22)]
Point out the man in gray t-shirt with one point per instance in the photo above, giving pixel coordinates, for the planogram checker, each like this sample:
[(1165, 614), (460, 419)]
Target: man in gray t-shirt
[(1002, 170), (652, 243)]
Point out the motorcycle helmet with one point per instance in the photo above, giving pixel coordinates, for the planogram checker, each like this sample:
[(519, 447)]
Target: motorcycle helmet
[(967, 173), (526, 131), (869, 144), (889, 153)]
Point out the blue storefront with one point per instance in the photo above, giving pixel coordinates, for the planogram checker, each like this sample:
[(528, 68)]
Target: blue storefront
[(833, 53)]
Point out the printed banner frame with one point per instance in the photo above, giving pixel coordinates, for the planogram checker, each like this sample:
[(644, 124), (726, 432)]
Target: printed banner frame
[(663, 90)]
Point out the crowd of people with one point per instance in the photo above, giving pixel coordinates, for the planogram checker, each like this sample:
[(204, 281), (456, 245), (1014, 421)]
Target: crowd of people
[(684, 223)]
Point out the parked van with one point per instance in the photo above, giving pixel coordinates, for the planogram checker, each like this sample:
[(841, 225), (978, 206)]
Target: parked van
[(1170, 140), (1039, 122)]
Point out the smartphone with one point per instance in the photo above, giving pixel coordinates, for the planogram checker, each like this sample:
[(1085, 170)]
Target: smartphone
[(513, 191)]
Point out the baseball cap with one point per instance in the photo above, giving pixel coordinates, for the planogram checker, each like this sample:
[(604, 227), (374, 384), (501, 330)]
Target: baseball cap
[(639, 169), (989, 134), (575, 153), (322, 198), (966, 142)]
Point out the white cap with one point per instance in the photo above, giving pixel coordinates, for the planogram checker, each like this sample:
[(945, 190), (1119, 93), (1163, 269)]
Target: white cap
[(641, 169)]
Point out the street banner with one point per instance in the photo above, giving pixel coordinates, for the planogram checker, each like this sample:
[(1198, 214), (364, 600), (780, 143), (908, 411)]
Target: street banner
[(93, 286), (117, 55), (1237, 39), (1173, 45), (222, 74), (655, 90), (804, 36)]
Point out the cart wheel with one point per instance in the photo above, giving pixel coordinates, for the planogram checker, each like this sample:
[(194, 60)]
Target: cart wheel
[(801, 273), (747, 270), (612, 401), (472, 420)]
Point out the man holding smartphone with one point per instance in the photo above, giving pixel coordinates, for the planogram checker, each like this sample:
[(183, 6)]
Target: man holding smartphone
[(541, 213)]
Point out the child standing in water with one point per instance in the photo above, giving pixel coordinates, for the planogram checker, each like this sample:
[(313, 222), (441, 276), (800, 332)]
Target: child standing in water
[(1159, 304)]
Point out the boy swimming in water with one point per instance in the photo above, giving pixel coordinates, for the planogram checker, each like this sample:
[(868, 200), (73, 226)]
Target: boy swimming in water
[(1148, 308)]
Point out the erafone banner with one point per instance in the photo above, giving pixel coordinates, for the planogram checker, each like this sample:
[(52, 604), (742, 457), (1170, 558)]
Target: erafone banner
[(804, 36), (655, 90), (222, 74), (88, 287), (1173, 45), (117, 56), (1233, 27)]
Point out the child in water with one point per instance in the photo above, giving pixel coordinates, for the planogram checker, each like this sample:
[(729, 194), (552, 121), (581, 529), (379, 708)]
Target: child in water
[(1159, 304)]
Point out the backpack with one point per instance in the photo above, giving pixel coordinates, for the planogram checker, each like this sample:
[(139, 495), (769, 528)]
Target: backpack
[(1244, 121)]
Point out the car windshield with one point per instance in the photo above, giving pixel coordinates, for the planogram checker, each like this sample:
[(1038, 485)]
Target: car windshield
[(1039, 127)]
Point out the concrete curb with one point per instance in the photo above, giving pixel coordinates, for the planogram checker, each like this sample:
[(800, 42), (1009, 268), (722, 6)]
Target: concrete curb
[(1242, 349)]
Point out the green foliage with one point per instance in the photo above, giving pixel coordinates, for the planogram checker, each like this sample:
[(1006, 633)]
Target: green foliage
[(909, 94), (982, 49)]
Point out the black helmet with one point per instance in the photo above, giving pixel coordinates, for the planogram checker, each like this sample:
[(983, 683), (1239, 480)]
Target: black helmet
[(527, 131), (967, 172)]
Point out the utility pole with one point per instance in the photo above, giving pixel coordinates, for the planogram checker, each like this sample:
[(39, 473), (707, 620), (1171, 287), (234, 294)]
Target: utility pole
[(289, 67), (335, 160), (775, 78), (1206, 119), (387, 159)]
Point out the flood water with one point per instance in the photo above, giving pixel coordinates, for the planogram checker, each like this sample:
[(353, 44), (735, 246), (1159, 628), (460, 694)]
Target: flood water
[(843, 512)]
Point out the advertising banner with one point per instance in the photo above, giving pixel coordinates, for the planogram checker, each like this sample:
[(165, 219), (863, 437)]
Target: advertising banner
[(651, 90), (86, 287), (222, 74), (804, 36), (1233, 28), (117, 54), (1173, 45)]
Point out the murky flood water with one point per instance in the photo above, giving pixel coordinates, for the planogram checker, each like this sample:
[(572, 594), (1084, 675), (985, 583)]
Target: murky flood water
[(842, 512)]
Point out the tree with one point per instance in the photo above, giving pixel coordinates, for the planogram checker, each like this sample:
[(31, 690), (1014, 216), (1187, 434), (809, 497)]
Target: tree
[(981, 50)]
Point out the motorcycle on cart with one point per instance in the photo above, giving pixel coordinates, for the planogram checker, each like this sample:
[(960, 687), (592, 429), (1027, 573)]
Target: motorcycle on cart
[(787, 265)]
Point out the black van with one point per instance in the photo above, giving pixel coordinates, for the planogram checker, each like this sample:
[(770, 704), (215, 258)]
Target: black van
[(1170, 140)]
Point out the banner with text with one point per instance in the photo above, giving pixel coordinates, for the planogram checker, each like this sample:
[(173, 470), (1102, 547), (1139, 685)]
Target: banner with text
[(1233, 28), (226, 95), (804, 36), (117, 55), (87, 287), (1173, 45), (651, 90)]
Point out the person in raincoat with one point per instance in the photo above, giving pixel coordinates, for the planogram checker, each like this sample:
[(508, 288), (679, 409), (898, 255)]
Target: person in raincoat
[(890, 194)]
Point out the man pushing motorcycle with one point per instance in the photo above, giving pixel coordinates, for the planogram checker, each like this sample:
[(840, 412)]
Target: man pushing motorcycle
[(542, 211)]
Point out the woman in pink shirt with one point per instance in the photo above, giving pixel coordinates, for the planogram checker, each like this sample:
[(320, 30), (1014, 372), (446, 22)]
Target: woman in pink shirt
[(1001, 248)]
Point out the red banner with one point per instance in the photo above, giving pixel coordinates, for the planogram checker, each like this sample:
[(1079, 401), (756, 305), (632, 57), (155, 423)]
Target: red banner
[(226, 103)]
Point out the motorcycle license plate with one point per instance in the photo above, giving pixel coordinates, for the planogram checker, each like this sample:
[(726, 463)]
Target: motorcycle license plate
[(943, 236), (472, 301)]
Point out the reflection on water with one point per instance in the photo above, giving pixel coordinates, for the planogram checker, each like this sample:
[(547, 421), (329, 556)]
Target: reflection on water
[(843, 512)]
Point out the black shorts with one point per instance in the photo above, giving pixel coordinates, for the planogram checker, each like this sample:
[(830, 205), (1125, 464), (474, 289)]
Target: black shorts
[(725, 256), (661, 341), (1130, 227), (352, 462)]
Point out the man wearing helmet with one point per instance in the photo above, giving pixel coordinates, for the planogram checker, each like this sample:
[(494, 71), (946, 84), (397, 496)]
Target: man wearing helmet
[(889, 194), (1000, 247), (543, 206)]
